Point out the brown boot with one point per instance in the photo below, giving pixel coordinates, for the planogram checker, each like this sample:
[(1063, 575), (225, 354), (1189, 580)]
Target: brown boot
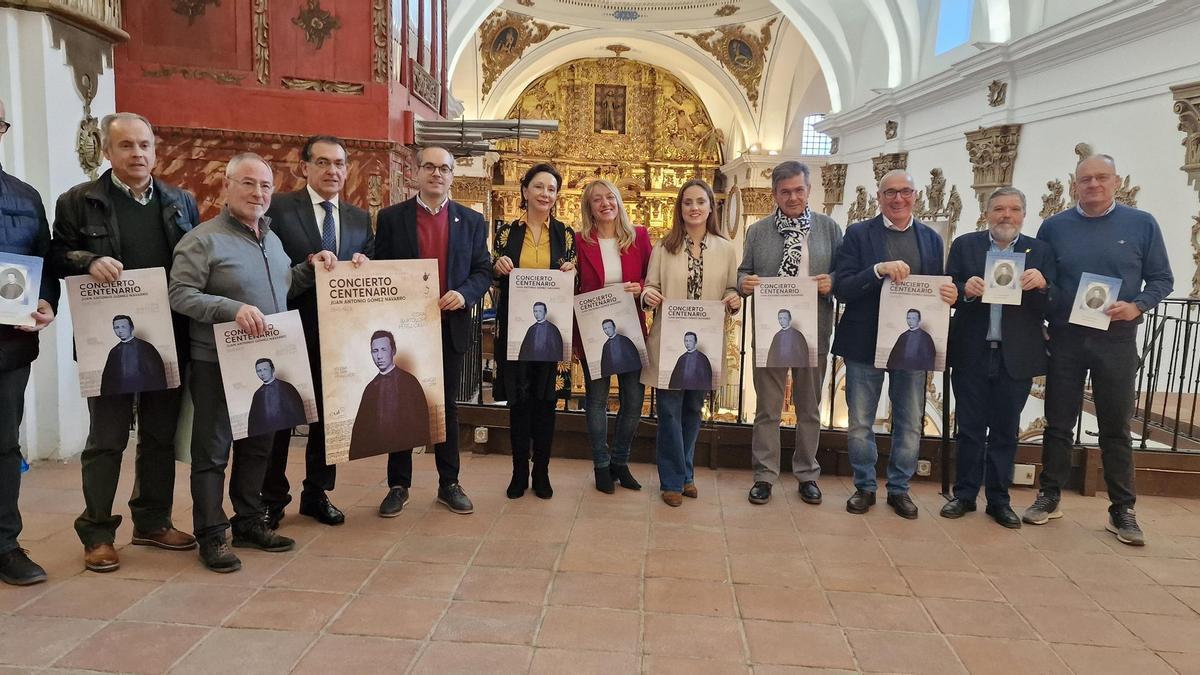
[(101, 558), (672, 498), (689, 490), (165, 537)]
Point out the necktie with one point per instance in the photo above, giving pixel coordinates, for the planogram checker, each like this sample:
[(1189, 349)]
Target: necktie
[(328, 229)]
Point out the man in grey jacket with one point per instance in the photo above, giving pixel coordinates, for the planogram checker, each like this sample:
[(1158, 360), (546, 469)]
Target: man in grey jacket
[(775, 247), (232, 268)]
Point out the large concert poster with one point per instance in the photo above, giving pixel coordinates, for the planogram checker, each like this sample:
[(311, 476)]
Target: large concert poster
[(268, 384), (785, 322), (381, 358), (691, 344), (914, 323), (20, 285), (611, 332), (124, 341), (540, 304)]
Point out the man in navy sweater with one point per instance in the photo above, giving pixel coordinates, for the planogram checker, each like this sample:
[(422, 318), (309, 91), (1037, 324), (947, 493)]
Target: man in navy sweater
[(1102, 237)]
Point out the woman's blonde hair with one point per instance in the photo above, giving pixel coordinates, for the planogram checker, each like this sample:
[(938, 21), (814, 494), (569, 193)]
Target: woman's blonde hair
[(587, 229)]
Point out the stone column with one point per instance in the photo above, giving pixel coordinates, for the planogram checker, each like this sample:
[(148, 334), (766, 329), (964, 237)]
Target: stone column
[(1187, 106), (993, 153)]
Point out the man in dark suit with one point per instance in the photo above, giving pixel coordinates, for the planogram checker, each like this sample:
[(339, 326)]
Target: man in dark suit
[(133, 364), (995, 352), (894, 245), (692, 370), (543, 340), (393, 408), (914, 349), (430, 225), (619, 354), (275, 405), (788, 348), (307, 221)]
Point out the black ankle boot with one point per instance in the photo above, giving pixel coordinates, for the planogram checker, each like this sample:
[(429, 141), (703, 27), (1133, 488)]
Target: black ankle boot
[(541, 482), (621, 473), (520, 479), (604, 481)]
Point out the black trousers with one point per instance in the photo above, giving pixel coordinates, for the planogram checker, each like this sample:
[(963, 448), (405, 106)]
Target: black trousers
[(12, 409), (1112, 359), (531, 427), (319, 477), (154, 464), (988, 404), (211, 440), (399, 465)]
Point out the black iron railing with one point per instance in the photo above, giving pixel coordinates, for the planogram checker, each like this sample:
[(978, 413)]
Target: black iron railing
[(1168, 381)]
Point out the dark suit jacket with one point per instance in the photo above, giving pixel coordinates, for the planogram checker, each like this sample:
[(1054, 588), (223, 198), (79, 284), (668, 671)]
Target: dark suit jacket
[(542, 343), (692, 371), (393, 414), (1020, 325), (295, 223), (855, 285), (132, 367), (788, 349), (619, 355), (914, 350), (470, 265), (275, 406)]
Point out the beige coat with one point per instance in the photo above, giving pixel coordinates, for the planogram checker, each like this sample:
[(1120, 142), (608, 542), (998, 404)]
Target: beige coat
[(668, 275)]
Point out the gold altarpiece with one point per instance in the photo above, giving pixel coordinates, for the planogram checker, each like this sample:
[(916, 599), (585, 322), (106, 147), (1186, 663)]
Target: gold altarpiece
[(628, 122)]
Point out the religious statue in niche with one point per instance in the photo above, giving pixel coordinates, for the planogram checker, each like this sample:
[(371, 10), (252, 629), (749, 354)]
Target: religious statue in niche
[(505, 41), (740, 54), (609, 114)]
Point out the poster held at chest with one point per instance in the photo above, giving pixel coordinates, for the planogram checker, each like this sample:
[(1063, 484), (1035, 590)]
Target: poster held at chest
[(381, 358), (913, 324), (1095, 295), (540, 304), (267, 381), (785, 322), (20, 283), (691, 344), (611, 332), (124, 340), (1002, 278)]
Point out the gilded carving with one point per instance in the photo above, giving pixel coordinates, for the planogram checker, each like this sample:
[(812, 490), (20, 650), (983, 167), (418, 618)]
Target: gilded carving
[(882, 164), (833, 180), (317, 23), (757, 202), (1052, 201), (381, 56), (726, 10), (617, 49), (326, 86), (997, 93), (262, 42), (1033, 431), (216, 76), (503, 38), (1196, 256), (890, 129), (863, 207), (192, 9), (374, 195), (954, 205), (1187, 107), (934, 207), (993, 153), (1126, 193), (425, 86), (741, 52)]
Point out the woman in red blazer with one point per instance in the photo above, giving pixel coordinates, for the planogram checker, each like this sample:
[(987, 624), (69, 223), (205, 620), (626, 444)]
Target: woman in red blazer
[(611, 251)]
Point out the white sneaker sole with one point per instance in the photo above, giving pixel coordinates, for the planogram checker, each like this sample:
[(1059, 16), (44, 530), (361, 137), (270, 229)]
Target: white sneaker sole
[(1111, 528), (1049, 517)]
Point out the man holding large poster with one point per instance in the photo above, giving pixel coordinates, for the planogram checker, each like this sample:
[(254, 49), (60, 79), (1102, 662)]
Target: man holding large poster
[(892, 245), (393, 405), (133, 364), (126, 220)]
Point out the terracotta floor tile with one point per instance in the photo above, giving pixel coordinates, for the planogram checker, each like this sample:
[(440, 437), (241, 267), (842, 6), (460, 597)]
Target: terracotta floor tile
[(927, 555), (579, 662), (693, 637), (590, 628), (280, 609), (797, 644), (756, 518), (88, 597), (38, 640), (129, 647), (427, 580), (783, 604), (434, 549), (1112, 660), (1104, 569), (704, 565), (596, 590), (503, 584), (1047, 591), (772, 569), (861, 578), (14, 597), (258, 651), (610, 533), (1063, 539), (1164, 633), (981, 619), (356, 654), (1170, 571), (1141, 599), (442, 658), (1186, 664), (349, 541), (689, 596), (995, 656), (879, 612), (600, 559), (442, 523), (526, 555), (948, 584), (811, 520), (257, 568), (686, 538), (1011, 561), (1188, 595), (496, 622), (828, 548), (881, 651), (886, 524), (1083, 627), (320, 573), (182, 602), (763, 541), (533, 528), (673, 665), (390, 616)]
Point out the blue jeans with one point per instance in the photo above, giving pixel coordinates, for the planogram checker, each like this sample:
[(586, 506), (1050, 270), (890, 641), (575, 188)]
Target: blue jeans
[(678, 427), (906, 389), (631, 394)]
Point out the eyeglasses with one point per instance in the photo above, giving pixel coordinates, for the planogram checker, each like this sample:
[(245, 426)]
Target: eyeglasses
[(5, 126), (1101, 178), (443, 169), (905, 192)]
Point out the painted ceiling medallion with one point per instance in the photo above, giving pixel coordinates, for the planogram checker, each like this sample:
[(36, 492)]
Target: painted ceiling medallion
[(626, 15), (192, 9), (316, 23), (742, 52), (503, 38)]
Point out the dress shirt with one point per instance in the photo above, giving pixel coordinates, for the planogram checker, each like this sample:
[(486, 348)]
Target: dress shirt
[(319, 212), (431, 209), (1078, 208), (142, 199)]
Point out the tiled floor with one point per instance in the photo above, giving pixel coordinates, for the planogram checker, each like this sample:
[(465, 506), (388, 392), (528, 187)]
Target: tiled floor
[(588, 582)]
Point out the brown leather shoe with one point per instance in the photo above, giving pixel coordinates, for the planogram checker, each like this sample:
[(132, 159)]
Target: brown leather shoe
[(101, 558), (689, 490), (166, 537), (672, 498)]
